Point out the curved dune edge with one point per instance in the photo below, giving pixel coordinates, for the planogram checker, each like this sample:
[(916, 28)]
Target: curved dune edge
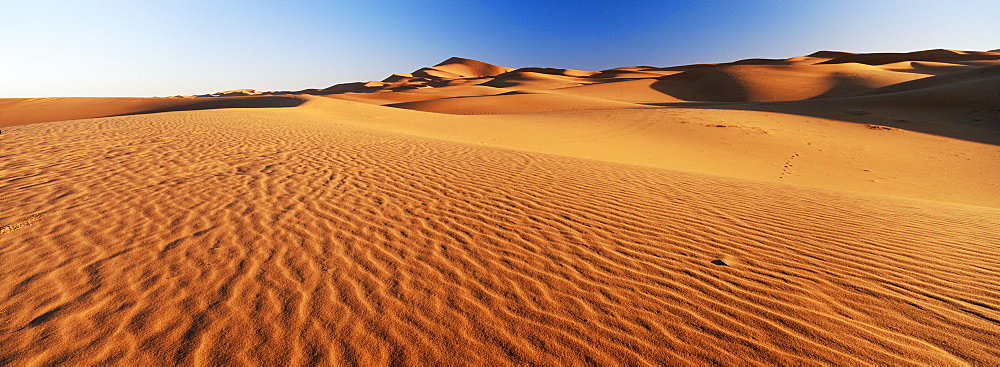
[(20, 111), (782, 147), (284, 237), (821, 75), (513, 103)]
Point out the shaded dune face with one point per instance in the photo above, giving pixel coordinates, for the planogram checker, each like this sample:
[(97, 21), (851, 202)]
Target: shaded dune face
[(250, 102), (278, 237), (824, 74), (18, 111), (928, 55), (765, 83), (513, 103), (531, 80)]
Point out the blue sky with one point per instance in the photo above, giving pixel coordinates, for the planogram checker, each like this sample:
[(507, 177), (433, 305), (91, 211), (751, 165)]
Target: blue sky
[(161, 48)]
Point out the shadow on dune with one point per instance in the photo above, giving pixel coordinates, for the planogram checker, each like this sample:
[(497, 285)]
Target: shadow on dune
[(981, 126), (883, 58), (211, 103), (702, 85), (961, 105), (21, 111)]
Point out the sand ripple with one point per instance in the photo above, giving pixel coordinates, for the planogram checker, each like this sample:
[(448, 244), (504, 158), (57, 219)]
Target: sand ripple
[(269, 237)]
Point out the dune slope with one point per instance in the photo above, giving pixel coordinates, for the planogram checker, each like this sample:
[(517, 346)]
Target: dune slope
[(19, 111)]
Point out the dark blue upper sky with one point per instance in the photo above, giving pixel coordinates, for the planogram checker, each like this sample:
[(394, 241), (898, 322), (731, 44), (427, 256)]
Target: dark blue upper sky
[(144, 48)]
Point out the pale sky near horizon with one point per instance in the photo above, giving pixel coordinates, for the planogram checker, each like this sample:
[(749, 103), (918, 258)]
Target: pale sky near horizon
[(183, 47)]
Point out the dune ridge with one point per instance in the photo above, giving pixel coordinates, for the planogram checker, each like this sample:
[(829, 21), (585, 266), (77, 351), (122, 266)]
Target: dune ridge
[(821, 75), (19, 111)]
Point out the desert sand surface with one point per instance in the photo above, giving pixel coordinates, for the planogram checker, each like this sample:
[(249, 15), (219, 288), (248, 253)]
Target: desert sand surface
[(835, 208)]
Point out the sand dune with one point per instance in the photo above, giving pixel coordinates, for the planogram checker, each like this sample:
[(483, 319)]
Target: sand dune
[(958, 105), (472, 214), (768, 83), (628, 90), (926, 67), (957, 76), (363, 247), (634, 72), (758, 145), (461, 68), (19, 111), (563, 72), (514, 103), (421, 94), (530, 80), (892, 57), (824, 74)]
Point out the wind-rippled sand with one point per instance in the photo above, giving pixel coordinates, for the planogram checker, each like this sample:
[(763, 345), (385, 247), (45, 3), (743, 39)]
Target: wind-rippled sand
[(275, 237)]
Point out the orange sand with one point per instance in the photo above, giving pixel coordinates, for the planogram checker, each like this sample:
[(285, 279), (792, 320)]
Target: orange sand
[(830, 209)]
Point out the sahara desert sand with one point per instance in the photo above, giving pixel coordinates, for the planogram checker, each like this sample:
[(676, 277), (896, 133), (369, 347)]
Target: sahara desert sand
[(836, 208)]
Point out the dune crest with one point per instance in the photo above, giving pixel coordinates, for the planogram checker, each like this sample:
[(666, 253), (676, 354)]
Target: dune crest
[(821, 75), (467, 68)]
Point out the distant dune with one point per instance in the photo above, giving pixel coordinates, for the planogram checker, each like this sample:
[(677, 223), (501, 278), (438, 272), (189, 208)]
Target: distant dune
[(19, 111), (837, 208)]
